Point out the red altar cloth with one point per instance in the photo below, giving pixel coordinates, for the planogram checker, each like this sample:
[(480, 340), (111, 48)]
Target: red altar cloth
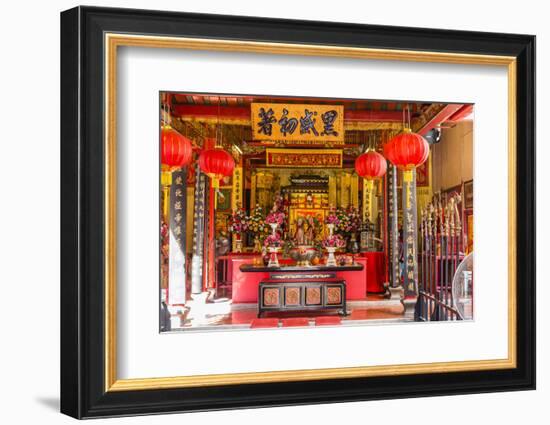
[(245, 284), (376, 271)]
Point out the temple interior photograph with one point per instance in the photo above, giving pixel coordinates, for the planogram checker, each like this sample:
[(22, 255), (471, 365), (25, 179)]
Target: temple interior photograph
[(279, 212)]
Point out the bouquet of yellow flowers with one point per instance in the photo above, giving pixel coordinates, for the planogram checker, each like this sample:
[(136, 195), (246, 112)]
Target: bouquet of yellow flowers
[(256, 223)]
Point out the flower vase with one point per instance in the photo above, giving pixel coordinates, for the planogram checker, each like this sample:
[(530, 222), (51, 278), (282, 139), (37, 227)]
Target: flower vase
[(265, 257), (331, 260), (273, 260), (273, 228)]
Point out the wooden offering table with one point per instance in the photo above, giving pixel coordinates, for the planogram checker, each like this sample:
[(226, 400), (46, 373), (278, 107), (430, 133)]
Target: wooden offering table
[(248, 278), (288, 288)]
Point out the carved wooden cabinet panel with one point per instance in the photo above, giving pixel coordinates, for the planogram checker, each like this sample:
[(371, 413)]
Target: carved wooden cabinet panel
[(302, 295)]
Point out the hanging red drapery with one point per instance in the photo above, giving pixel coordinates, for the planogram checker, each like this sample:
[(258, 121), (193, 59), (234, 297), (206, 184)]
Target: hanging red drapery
[(176, 150)]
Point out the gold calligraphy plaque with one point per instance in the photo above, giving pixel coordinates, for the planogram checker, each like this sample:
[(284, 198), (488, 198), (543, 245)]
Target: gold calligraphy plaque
[(303, 158), (298, 122)]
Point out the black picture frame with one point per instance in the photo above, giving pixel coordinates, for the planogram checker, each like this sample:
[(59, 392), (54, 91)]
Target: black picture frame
[(83, 392)]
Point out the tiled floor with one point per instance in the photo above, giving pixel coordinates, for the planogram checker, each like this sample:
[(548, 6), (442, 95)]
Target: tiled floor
[(224, 315)]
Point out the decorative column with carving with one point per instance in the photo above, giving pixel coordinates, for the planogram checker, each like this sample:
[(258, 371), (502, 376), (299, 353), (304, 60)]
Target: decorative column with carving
[(177, 276), (410, 273), (407, 151), (210, 235), (394, 288), (198, 232)]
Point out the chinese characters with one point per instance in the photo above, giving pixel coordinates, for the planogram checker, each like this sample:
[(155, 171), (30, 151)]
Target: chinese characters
[(298, 122), (266, 121)]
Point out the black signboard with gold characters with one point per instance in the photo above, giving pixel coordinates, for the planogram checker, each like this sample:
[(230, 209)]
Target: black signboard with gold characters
[(294, 122)]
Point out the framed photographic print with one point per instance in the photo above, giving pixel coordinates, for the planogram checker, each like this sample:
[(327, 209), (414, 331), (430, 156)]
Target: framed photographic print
[(261, 212)]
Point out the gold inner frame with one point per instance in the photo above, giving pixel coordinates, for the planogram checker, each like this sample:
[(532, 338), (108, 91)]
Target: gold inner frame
[(113, 41)]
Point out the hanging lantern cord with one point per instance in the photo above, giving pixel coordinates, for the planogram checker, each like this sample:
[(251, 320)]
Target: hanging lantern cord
[(406, 117)]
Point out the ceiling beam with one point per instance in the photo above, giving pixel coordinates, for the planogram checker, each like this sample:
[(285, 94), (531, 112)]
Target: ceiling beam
[(241, 114), (440, 117), (461, 113)]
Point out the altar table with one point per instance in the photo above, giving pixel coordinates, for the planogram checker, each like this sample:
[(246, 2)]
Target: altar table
[(245, 277)]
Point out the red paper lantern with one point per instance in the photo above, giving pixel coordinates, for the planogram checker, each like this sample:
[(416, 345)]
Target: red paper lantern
[(216, 163), (407, 150), (370, 165), (176, 150)]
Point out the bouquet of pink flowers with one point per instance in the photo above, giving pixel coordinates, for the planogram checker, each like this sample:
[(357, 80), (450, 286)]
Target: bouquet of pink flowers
[(355, 220), (238, 222), (275, 218), (334, 241), (349, 220), (273, 240)]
